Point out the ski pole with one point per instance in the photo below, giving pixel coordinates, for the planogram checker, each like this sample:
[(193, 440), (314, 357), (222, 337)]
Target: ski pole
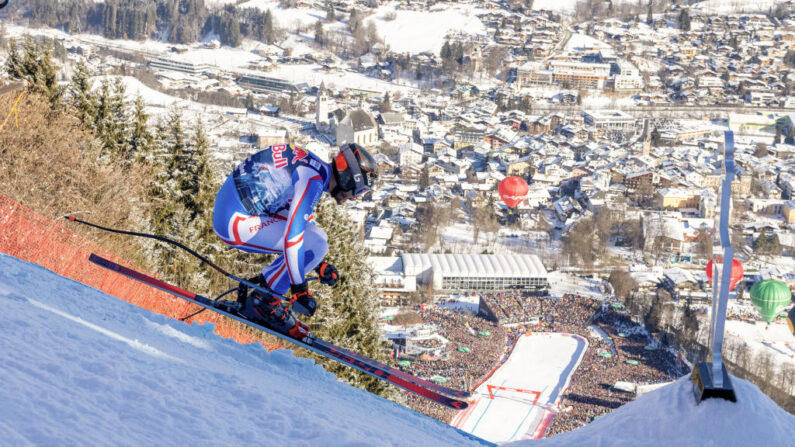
[(204, 260)]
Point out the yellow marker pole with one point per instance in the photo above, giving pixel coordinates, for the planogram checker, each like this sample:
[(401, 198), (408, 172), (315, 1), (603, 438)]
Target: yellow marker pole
[(15, 111)]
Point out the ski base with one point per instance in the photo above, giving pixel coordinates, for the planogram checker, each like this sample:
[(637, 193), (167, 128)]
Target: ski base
[(408, 382)]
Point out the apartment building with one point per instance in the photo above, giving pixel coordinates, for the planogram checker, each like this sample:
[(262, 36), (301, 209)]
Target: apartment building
[(165, 63), (576, 74), (609, 120)]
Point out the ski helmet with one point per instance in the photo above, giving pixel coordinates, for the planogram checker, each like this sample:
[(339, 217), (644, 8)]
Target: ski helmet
[(355, 169)]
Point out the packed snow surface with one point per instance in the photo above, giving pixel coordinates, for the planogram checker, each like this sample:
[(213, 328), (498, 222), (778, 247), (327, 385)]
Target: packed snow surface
[(79, 367), (669, 416), (541, 365)]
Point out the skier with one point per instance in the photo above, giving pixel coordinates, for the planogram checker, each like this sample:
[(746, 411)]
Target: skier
[(266, 206)]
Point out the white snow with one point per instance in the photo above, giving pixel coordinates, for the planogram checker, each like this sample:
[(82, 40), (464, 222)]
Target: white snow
[(313, 74), (669, 416), (774, 339), (562, 283), (735, 6), (79, 367), (419, 31), (579, 41), (566, 6), (284, 17), (541, 363), (134, 88)]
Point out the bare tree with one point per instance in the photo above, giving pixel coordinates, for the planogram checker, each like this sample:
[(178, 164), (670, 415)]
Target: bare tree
[(704, 244), (623, 284), (579, 243)]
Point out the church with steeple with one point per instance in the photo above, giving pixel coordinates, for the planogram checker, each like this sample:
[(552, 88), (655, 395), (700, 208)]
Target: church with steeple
[(323, 109)]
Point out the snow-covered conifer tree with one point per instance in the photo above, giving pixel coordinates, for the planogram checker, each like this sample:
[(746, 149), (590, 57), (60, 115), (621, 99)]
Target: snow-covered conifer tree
[(347, 313), (81, 97)]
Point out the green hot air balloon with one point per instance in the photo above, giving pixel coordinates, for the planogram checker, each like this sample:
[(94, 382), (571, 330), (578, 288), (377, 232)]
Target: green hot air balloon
[(769, 297)]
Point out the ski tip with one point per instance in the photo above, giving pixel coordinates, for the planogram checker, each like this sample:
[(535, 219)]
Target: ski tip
[(99, 260), (459, 405)]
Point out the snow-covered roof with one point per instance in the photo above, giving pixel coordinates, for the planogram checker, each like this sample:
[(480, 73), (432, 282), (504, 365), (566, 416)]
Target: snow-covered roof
[(491, 266)]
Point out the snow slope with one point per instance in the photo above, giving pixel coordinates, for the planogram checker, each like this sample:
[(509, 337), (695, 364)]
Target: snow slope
[(669, 416), (134, 88), (735, 6), (774, 338), (79, 367), (540, 363), (424, 30), (566, 6)]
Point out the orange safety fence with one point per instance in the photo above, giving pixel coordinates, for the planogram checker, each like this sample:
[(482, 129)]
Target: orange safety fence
[(30, 236)]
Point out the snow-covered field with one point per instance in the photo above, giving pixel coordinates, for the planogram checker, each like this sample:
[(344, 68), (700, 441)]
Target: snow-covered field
[(561, 283), (774, 339), (425, 30), (579, 41), (735, 6), (79, 367), (284, 17), (459, 238), (541, 363), (134, 88), (566, 6)]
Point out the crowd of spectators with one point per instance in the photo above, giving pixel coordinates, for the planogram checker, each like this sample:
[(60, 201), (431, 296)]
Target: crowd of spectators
[(590, 393), (461, 369), (507, 307), (428, 343)]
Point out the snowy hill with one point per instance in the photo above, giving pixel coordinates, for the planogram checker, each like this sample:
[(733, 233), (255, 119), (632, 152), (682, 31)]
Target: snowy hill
[(669, 416), (81, 367), (84, 368), (735, 6)]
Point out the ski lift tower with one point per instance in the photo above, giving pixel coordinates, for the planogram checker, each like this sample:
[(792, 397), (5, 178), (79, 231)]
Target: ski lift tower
[(710, 379)]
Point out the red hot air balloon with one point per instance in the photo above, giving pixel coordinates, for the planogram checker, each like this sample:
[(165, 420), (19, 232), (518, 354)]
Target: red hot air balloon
[(512, 190), (737, 271)]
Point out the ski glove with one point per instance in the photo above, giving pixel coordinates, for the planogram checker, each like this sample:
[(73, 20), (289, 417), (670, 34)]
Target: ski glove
[(302, 301), (327, 274)]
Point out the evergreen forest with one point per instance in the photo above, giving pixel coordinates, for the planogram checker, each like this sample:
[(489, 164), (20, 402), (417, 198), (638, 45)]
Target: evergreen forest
[(175, 21)]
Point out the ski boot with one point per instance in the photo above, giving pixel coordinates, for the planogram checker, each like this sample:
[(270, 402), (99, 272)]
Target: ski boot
[(242, 289), (302, 301), (271, 312)]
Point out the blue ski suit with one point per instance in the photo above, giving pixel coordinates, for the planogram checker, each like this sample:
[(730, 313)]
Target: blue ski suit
[(266, 206)]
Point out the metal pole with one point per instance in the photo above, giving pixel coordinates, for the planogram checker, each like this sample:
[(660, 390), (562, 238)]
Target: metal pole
[(719, 317), (710, 378)]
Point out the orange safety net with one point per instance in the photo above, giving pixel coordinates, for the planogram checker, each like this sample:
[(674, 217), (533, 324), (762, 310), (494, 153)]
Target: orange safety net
[(30, 236)]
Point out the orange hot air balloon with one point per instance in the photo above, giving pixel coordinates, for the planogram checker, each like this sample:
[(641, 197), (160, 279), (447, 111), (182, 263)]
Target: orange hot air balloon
[(736, 275), (512, 190)]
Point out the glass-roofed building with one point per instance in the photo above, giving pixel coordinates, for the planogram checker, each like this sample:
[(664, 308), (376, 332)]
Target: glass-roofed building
[(454, 273)]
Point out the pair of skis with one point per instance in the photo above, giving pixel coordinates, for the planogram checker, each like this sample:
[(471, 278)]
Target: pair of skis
[(432, 391)]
